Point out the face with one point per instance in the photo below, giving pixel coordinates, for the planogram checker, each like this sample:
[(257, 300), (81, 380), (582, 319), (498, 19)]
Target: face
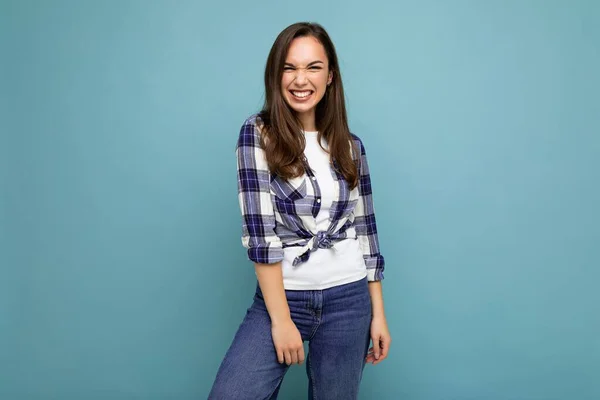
[(305, 77)]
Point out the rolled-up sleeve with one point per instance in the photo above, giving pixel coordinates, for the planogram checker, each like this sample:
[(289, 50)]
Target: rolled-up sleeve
[(258, 218), (364, 219)]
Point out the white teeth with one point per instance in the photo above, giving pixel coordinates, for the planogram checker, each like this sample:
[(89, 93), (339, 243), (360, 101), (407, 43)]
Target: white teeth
[(301, 94)]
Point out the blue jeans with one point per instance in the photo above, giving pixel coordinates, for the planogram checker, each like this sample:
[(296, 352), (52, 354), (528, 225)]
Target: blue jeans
[(336, 323)]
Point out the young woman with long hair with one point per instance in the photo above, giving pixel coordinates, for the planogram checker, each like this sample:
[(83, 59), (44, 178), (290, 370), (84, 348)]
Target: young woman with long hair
[(310, 230)]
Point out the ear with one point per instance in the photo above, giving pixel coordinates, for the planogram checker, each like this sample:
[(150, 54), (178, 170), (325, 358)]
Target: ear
[(330, 78)]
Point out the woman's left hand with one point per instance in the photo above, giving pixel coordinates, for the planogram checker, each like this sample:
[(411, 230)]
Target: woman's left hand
[(380, 336)]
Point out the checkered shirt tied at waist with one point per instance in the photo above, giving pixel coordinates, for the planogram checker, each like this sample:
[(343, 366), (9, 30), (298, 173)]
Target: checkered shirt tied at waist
[(277, 212)]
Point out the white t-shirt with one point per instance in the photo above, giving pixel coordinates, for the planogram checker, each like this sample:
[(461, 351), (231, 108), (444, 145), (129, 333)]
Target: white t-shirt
[(326, 267)]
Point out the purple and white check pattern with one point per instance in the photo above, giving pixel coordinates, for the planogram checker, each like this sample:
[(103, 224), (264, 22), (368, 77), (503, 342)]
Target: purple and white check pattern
[(276, 212)]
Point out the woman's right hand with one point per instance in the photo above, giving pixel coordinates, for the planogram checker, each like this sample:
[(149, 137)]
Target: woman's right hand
[(288, 342), (285, 334)]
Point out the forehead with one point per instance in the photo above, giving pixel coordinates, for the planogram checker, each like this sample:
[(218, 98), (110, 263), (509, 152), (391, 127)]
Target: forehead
[(304, 50)]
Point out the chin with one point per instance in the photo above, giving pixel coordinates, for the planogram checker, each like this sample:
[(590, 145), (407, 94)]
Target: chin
[(302, 110)]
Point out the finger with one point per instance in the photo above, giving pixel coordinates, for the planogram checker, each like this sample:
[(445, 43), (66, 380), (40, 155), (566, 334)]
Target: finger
[(378, 361), (385, 347), (369, 357), (383, 353), (280, 358), (301, 355), (294, 355), (376, 349), (288, 357), (381, 358)]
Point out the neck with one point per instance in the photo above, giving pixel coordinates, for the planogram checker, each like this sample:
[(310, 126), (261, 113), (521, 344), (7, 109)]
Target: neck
[(308, 121)]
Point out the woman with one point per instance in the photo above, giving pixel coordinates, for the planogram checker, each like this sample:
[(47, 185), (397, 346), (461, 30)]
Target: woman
[(309, 227)]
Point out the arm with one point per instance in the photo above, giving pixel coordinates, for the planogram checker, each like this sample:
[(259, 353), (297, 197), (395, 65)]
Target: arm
[(270, 280), (380, 333), (366, 229), (254, 195), (376, 292), (263, 245), (364, 220), (286, 337)]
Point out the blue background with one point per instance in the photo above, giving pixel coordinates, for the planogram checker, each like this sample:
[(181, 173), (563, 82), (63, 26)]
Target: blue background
[(123, 275)]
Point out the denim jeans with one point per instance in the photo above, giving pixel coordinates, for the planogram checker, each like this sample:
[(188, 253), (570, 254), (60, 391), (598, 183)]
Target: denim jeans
[(336, 323)]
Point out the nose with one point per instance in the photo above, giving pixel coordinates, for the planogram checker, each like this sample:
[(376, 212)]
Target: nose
[(300, 77)]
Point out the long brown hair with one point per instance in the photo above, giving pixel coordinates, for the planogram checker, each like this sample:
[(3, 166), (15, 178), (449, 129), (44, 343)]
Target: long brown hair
[(281, 129)]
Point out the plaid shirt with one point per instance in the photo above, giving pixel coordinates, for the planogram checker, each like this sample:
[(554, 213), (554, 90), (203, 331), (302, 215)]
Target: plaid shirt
[(275, 211)]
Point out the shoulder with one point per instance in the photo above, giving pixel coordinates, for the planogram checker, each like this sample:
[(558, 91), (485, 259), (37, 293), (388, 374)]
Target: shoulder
[(253, 120), (250, 131), (358, 143), (253, 123)]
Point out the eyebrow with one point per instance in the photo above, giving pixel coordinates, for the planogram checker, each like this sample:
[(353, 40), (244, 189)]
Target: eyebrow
[(309, 64)]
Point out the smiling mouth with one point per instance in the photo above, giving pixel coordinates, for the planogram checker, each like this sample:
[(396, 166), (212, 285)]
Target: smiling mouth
[(301, 94)]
